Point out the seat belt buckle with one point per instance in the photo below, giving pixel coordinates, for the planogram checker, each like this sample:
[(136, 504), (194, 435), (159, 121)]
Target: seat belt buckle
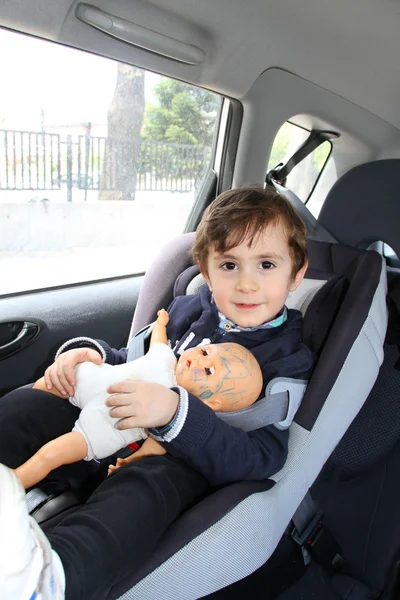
[(317, 542)]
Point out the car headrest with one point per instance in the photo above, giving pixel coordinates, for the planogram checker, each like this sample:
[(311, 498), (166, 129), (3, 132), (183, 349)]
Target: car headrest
[(363, 205)]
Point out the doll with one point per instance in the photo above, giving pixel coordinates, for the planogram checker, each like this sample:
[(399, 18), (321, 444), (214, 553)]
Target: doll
[(226, 377)]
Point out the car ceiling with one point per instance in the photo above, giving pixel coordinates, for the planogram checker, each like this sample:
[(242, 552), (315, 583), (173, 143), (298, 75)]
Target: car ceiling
[(348, 47)]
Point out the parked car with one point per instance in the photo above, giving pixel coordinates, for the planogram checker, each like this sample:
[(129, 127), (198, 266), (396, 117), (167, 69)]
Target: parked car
[(301, 96)]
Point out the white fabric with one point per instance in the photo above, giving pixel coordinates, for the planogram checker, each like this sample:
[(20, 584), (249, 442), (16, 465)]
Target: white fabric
[(94, 423), (27, 563)]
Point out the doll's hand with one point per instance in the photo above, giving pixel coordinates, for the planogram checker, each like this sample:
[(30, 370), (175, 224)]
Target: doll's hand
[(120, 463), (61, 373), (162, 317), (141, 404)]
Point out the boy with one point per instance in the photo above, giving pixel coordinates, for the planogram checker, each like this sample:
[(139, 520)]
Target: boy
[(251, 249)]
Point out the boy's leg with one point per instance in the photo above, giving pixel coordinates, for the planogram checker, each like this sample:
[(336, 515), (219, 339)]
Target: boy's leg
[(117, 529), (110, 536)]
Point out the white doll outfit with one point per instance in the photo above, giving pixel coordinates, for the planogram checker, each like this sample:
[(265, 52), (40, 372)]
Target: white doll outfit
[(94, 423)]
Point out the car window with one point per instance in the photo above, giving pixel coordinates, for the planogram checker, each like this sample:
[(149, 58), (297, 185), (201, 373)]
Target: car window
[(100, 163), (302, 178)]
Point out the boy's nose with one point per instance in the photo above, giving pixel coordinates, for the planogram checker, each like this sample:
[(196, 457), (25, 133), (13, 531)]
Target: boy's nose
[(247, 284)]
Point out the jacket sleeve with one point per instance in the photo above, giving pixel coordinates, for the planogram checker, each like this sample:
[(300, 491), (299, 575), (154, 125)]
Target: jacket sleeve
[(113, 356), (220, 452), (108, 354)]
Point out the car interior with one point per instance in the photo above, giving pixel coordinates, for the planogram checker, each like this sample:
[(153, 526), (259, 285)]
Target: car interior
[(99, 204)]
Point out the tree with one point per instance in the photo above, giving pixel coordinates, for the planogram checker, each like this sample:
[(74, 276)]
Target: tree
[(184, 115), (124, 125)]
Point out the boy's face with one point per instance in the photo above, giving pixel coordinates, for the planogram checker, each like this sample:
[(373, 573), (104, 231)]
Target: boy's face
[(250, 284)]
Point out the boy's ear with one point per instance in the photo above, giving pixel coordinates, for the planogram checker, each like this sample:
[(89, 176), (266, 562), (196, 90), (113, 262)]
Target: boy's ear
[(206, 277), (299, 277)]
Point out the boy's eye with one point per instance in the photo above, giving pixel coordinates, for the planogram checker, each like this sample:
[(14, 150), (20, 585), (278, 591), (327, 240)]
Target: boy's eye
[(228, 266), (266, 265), (204, 352)]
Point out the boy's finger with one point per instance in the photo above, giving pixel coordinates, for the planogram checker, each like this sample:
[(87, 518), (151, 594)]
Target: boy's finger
[(122, 387), (64, 385), (127, 423), (121, 412), (93, 357), (118, 400), (47, 379), (55, 382), (68, 376)]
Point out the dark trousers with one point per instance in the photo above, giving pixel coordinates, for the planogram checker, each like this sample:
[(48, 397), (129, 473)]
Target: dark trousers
[(117, 529)]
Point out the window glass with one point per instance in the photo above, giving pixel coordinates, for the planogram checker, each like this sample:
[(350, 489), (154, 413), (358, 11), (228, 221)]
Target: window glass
[(303, 177), (100, 163)]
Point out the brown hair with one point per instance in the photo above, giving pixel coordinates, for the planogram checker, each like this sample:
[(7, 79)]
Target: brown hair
[(246, 212)]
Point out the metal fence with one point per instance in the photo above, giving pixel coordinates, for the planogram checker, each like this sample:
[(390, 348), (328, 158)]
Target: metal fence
[(48, 161)]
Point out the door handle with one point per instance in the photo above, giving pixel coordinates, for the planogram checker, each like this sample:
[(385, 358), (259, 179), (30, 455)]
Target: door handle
[(16, 335)]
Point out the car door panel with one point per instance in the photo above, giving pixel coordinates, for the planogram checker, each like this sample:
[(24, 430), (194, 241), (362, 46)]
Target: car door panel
[(101, 310)]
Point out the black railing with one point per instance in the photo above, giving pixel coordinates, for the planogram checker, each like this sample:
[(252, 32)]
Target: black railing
[(48, 162)]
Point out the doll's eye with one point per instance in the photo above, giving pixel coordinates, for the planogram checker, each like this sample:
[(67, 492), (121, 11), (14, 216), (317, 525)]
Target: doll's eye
[(209, 371), (204, 352)]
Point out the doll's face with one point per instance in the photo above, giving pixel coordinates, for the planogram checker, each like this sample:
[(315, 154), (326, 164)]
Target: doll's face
[(226, 377)]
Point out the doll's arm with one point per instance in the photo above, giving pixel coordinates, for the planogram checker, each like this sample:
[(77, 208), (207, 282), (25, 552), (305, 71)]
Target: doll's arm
[(159, 333), (150, 447), (64, 450)]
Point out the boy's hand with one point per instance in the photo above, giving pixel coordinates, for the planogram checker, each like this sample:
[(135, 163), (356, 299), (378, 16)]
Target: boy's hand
[(141, 404), (61, 373)]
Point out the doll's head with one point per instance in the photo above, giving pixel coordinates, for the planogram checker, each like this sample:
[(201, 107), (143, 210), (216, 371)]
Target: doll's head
[(226, 377)]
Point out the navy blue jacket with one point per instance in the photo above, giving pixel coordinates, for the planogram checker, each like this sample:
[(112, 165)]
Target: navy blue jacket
[(220, 452)]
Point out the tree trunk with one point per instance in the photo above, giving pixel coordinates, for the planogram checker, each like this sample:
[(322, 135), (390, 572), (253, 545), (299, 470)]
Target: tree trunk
[(124, 124)]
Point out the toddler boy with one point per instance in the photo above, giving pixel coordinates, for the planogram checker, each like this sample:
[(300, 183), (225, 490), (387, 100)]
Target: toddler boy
[(251, 248)]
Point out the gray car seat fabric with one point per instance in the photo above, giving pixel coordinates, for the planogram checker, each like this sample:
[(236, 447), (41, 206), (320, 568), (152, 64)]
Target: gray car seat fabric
[(343, 301), (157, 288)]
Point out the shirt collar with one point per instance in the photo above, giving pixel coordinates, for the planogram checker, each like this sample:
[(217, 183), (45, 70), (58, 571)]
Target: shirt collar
[(226, 324)]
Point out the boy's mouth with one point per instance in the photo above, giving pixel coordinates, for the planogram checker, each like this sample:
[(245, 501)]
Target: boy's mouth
[(246, 306)]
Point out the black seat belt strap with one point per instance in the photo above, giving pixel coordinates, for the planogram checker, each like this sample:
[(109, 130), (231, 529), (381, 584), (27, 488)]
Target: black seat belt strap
[(315, 540), (282, 170)]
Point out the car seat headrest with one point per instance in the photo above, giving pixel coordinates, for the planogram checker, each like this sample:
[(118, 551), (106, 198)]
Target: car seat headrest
[(363, 205), (184, 283)]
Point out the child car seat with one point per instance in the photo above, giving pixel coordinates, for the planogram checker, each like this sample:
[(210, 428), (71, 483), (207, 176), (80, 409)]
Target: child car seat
[(343, 301)]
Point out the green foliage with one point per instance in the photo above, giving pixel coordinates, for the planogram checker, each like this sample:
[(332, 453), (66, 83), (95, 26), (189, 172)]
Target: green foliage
[(185, 115), (171, 164), (282, 144), (179, 135), (280, 147), (320, 155)]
